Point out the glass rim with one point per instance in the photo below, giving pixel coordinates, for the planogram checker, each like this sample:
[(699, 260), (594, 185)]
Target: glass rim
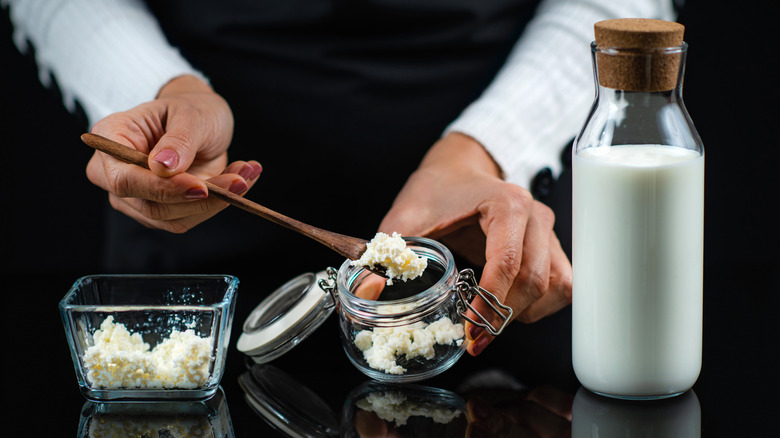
[(611, 50), (229, 293)]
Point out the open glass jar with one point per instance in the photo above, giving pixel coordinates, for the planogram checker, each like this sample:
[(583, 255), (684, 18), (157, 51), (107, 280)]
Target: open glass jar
[(414, 331)]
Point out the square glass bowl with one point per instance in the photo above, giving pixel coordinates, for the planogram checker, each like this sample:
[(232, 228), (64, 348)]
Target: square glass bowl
[(149, 337)]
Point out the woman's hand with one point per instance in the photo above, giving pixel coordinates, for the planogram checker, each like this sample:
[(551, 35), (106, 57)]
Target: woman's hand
[(458, 197), (187, 128)]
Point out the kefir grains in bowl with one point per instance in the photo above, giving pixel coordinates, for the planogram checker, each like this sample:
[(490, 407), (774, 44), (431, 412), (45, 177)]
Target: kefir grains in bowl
[(121, 359)]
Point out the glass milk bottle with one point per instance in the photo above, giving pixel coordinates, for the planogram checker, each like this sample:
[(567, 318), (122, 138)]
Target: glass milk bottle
[(638, 213)]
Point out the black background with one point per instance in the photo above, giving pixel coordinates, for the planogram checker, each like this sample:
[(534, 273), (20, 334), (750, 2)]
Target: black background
[(52, 228)]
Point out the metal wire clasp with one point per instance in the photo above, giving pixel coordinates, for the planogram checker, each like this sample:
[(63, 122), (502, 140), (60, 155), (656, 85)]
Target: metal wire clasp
[(467, 288), (329, 284)]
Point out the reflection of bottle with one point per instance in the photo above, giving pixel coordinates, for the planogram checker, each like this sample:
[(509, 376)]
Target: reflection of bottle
[(638, 196), (594, 416)]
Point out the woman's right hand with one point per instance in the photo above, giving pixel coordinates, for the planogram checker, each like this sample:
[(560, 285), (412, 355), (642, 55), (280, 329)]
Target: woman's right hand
[(187, 128)]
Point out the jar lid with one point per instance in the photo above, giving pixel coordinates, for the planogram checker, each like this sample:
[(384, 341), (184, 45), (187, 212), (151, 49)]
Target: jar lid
[(285, 318)]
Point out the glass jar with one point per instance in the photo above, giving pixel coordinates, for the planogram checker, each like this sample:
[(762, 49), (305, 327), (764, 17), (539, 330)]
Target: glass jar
[(414, 331), (638, 214), (413, 337)]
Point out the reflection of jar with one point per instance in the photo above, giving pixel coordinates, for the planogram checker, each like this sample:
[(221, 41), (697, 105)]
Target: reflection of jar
[(398, 410), (286, 405), (413, 332), (406, 410)]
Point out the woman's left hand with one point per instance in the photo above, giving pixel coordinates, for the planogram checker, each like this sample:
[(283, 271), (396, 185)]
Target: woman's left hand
[(457, 196)]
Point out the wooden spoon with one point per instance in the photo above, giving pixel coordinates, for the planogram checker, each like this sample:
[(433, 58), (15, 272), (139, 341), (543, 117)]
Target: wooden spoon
[(349, 247)]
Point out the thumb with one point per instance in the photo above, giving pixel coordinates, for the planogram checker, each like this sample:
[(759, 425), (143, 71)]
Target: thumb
[(173, 153)]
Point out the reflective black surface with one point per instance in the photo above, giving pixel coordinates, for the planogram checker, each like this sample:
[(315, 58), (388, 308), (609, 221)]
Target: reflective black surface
[(522, 384)]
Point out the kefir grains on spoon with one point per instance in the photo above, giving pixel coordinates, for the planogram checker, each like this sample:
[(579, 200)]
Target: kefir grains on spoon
[(391, 253)]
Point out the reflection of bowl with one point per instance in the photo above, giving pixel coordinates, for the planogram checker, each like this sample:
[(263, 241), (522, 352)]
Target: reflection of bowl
[(206, 419), (149, 337)]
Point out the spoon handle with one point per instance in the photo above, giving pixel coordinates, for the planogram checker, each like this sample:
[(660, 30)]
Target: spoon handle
[(349, 247)]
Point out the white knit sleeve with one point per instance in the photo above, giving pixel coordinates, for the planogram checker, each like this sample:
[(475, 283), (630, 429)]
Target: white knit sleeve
[(541, 96), (109, 55)]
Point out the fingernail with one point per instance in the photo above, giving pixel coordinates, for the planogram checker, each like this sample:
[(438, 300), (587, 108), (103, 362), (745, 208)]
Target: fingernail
[(475, 331), (250, 171), (258, 170), (167, 158), (238, 187), (246, 171), (479, 345), (196, 193)]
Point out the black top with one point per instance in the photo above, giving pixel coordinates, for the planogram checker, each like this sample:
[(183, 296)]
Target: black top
[(338, 100)]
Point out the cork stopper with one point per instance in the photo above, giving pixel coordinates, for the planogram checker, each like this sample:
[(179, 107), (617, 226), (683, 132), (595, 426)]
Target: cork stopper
[(638, 54)]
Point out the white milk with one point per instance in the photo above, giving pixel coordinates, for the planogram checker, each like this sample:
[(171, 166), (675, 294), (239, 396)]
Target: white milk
[(638, 214)]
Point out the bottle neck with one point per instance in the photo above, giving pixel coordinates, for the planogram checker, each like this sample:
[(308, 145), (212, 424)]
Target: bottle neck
[(639, 100), (631, 107)]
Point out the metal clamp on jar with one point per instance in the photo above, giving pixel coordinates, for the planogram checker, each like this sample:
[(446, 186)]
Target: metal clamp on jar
[(414, 331)]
